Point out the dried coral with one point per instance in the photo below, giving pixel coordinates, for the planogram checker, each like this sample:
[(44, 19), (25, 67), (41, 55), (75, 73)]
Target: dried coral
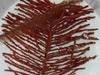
[(43, 39)]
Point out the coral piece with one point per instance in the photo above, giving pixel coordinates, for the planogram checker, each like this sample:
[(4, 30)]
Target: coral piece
[(44, 39)]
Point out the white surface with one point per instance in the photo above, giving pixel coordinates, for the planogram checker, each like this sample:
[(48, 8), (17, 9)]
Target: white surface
[(4, 5), (95, 4), (92, 68)]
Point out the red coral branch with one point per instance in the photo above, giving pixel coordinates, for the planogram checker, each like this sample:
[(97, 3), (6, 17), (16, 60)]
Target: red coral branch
[(44, 39)]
